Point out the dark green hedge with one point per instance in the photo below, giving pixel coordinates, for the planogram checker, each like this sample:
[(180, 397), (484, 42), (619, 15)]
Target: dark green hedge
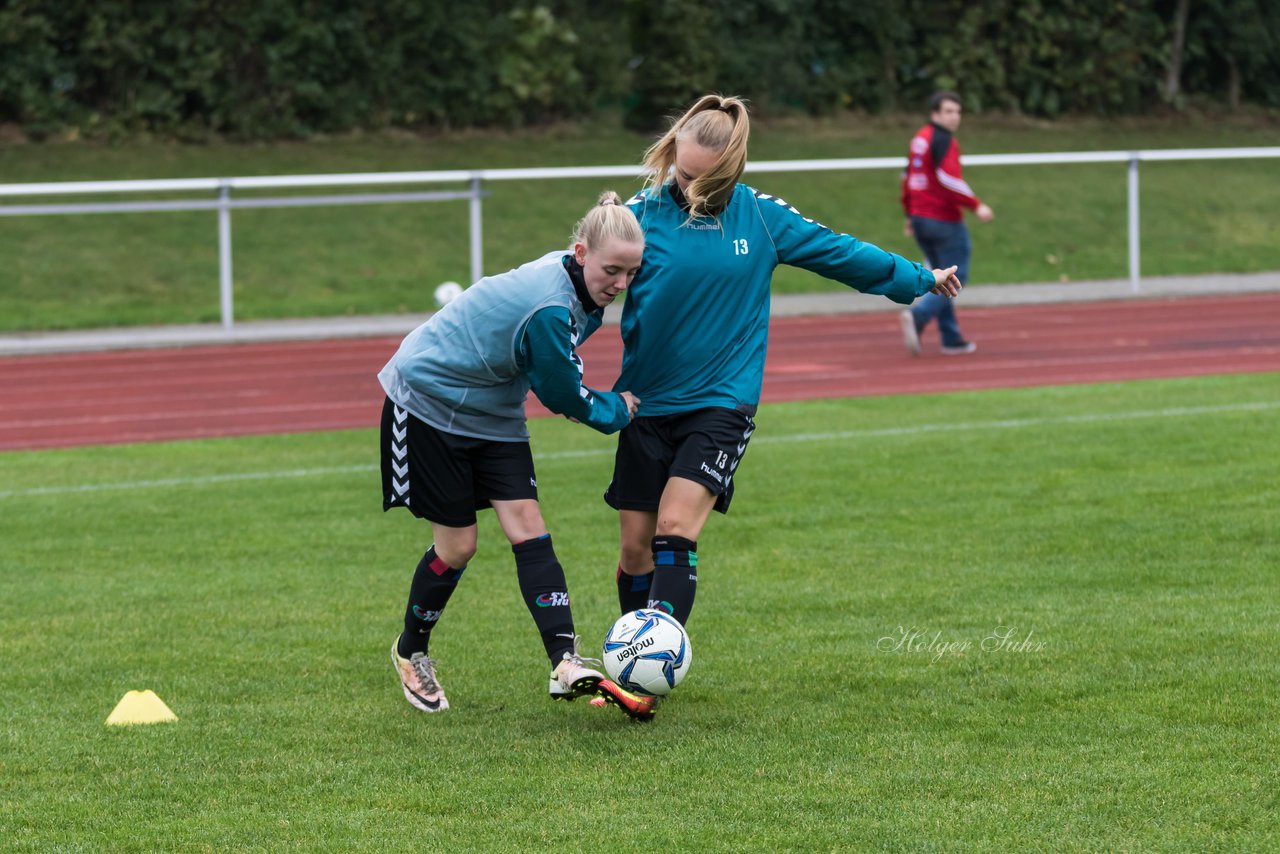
[(287, 68)]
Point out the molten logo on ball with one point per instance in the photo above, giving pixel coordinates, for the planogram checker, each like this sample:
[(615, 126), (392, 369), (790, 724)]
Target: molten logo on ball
[(624, 654)]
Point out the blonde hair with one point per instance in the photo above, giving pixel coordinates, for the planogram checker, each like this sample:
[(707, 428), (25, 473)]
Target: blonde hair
[(715, 122), (609, 219)]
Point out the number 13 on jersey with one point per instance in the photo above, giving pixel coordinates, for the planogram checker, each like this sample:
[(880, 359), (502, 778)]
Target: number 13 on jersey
[(740, 247)]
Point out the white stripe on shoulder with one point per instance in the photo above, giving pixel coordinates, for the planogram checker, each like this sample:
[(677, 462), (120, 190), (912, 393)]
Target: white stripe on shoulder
[(956, 185)]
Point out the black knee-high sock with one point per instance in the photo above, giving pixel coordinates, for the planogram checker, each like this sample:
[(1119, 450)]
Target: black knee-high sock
[(546, 594), (675, 576), (433, 584), (633, 591)]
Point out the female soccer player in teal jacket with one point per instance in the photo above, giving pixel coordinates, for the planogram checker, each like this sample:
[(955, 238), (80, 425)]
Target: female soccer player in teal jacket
[(695, 328)]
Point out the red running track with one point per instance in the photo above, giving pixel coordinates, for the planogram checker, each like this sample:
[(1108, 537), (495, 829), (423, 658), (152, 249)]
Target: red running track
[(154, 395)]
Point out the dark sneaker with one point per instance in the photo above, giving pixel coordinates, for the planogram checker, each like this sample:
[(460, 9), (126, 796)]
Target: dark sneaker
[(638, 707), (418, 678), (961, 348)]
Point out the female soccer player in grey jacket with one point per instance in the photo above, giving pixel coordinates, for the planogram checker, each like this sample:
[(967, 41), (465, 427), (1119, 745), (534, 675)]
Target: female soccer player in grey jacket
[(454, 438)]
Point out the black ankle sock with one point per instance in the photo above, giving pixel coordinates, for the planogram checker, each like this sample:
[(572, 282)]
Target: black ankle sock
[(546, 595), (675, 576), (433, 584), (633, 591)]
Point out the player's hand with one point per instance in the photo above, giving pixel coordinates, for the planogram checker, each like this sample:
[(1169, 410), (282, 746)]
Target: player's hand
[(945, 283), (632, 402), (984, 213), (907, 230)]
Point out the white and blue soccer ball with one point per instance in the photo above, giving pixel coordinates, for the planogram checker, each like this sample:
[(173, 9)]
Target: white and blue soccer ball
[(447, 292), (647, 652)]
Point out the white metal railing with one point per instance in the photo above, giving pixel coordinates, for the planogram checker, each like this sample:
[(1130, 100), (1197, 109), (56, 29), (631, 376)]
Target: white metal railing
[(475, 178)]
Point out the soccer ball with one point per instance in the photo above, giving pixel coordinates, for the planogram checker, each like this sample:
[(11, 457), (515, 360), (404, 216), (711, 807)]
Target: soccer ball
[(447, 292), (647, 652)]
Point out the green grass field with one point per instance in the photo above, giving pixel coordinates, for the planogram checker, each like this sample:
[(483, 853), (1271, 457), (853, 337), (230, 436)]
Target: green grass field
[(1052, 221), (1123, 536)]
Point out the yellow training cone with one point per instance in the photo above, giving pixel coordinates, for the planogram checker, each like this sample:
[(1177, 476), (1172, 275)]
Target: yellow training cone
[(140, 707)]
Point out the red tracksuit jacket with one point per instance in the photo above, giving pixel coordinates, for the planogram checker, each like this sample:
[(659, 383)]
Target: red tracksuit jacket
[(933, 185)]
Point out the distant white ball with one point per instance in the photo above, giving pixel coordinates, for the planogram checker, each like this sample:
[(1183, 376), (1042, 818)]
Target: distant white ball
[(647, 652), (447, 292)]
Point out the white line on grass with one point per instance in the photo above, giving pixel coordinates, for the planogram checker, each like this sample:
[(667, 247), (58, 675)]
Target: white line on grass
[(1008, 424), (1016, 423)]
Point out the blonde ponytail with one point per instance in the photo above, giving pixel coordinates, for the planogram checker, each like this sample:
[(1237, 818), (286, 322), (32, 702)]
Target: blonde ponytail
[(718, 123)]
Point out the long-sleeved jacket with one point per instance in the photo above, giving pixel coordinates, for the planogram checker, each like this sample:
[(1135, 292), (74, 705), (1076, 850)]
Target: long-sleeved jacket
[(469, 368), (933, 185)]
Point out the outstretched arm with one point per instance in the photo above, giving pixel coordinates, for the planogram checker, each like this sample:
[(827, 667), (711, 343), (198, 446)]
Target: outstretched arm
[(802, 242)]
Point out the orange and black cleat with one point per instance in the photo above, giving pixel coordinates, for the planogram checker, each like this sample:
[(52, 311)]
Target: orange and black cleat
[(638, 707)]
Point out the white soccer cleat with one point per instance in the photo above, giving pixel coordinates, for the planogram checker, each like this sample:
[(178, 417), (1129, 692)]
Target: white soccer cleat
[(418, 679), (573, 677)]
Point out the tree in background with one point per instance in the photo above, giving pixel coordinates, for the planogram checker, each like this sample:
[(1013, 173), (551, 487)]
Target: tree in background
[(254, 69), (675, 51), (1232, 51), (1177, 43)]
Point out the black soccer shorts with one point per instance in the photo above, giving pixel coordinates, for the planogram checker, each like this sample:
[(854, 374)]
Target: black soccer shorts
[(705, 445), (446, 478)]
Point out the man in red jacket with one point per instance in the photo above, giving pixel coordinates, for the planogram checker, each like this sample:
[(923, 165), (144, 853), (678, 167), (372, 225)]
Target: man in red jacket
[(934, 193)]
